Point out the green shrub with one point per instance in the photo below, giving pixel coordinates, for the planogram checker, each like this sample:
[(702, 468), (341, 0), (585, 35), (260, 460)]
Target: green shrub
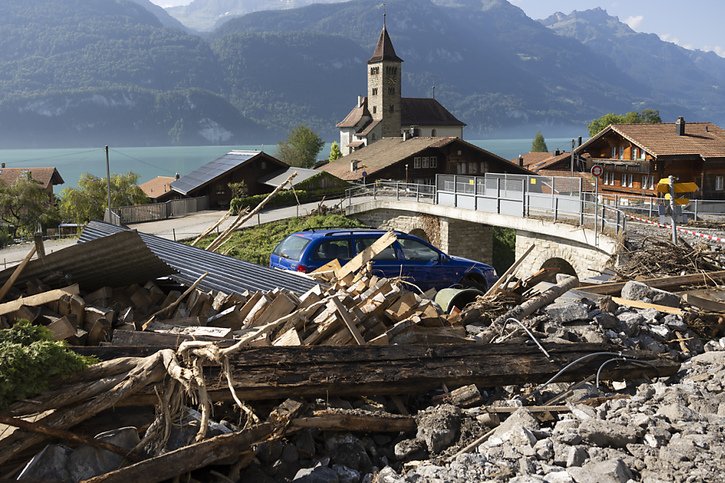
[(504, 248), (6, 238), (285, 198), (255, 244), (30, 361)]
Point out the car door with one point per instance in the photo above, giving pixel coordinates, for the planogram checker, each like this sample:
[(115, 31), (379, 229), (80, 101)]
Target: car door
[(386, 263), (422, 264)]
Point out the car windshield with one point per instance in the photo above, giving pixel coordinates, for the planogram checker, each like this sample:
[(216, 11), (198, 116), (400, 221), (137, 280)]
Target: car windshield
[(291, 247)]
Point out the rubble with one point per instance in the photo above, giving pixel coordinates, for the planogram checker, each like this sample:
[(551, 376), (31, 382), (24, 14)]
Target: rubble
[(363, 379)]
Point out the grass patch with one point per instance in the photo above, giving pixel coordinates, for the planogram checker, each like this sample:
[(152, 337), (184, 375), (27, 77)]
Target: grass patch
[(255, 244)]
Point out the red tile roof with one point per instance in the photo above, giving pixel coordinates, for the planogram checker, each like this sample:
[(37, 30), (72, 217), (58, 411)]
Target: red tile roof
[(45, 176), (157, 186)]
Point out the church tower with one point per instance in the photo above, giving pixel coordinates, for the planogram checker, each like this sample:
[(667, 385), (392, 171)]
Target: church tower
[(384, 83)]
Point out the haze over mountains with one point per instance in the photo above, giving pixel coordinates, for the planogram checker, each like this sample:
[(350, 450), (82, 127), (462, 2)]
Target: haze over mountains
[(91, 72)]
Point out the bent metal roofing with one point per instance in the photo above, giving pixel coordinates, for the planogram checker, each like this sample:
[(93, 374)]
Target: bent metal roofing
[(225, 274), (212, 170)]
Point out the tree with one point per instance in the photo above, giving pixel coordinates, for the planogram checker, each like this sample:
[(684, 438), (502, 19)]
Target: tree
[(335, 152), (646, 116), (538, 145), (301, 147), (25, 205), (90, 199)]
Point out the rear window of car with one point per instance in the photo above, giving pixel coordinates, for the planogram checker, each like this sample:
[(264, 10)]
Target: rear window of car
[(291, 247), (387, 254), (332, 249)]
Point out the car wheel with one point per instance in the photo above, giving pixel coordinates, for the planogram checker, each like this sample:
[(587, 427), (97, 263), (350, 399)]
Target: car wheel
[(472, 281)]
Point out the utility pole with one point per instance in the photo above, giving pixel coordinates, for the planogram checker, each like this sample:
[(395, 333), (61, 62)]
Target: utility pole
[(108, 185), (572, 156)]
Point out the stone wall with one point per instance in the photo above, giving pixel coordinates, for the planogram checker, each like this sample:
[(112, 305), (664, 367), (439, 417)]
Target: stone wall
[(583, 258)]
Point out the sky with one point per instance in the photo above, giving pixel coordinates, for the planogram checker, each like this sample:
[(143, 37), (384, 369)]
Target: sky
[(693, 24)]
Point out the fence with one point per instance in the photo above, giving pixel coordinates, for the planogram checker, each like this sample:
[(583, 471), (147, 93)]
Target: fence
[(648, 206), (161, 211)]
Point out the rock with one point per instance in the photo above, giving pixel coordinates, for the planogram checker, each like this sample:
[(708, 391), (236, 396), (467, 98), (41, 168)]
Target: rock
[(521, 418), (582, 412), (633, 290), (411, 449), (576, 456), (290, 453), (677, 413), (269, 452), (630, 323), (558, 477), (438, 426), (305, 444), (346, 475), (388, 475), (662, 331), (318, 474), (352, 455), (607, 433), (48, 465), (544, 449), (606, 321), (610, 471), (87, 461), (567, 312)]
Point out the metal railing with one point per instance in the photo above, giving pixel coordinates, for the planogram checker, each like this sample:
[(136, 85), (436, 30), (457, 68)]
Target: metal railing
[(421, 193), (648, 206)]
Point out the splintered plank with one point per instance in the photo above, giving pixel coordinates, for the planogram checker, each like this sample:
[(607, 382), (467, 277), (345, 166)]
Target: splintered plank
[(366, 255), (39, 299)]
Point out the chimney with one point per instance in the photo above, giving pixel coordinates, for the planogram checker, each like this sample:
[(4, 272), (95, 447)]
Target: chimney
[(353, 165), (521, 160), (2, 165), (680, 126), (557, 152), (580, 140), (177, 176)]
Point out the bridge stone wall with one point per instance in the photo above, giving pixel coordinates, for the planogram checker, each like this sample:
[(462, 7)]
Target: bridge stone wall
[(455, 237), (584, 259)]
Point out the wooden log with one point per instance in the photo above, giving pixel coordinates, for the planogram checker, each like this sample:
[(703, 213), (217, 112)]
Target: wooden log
[(291, 337), (321, 371), (283, 304), (706, 278), (61, 328), (510, 271), (348, 321), (532, 305), (38, 299), (169, 308), (16, 273), (366, 423), (188, 458)]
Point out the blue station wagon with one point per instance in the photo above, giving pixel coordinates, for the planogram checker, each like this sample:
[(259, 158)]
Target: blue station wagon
[(410, 257)]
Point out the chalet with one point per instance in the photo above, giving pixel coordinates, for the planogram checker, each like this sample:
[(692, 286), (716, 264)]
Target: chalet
[(158, 189), (46, 177), (213, 178), (418, 160), (636, 156), (260, 172), (385, 113)]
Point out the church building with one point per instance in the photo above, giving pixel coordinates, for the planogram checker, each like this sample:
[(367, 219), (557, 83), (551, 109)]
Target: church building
[(385, 113)]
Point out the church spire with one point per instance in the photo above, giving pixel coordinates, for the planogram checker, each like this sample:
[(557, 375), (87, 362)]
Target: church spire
[(384, 49)]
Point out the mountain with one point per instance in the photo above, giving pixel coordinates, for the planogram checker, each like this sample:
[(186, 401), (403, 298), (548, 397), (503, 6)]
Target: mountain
[(669, 72), (204, 15), (491, 65), (80, 71), (162, 15)]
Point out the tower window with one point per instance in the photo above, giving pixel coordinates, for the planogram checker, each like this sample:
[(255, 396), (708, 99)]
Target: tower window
[(392, 108), (391, 70), (375, 109), (391, 90), (375, 91), (374, 70)]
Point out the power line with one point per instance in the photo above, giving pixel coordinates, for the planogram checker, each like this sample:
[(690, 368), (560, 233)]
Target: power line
[(151, 165), (57, 156)]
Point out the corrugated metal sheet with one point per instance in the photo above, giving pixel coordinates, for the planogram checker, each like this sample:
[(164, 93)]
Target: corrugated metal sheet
[(226, 274), (278, 177), (117, 260), (212, 170)]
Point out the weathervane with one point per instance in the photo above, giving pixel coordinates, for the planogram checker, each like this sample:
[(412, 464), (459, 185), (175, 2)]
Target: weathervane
[(385, 15)]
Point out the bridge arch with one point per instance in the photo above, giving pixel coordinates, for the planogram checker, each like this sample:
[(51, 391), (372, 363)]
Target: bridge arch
[(558, 265)]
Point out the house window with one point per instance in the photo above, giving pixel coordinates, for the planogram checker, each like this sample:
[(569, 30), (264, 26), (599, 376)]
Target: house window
[(635, 153), (432, 133), (374, 70), (621, 152), (472, 168), (375, 91), (417, 162), (627, 180), (461, 168), (719, 183), (614, 152), (641, 154), (424, 163), (433, 162)]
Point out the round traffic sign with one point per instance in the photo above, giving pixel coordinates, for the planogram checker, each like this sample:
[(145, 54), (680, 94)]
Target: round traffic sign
[(597, 170)]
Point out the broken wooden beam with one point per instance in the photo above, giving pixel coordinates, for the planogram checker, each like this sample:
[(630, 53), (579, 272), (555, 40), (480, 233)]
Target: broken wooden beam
[(327, 371), (704, 278), (38, 299)]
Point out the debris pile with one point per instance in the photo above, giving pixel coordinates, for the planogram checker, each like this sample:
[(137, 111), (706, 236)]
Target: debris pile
[(658, 257), (362, 379)]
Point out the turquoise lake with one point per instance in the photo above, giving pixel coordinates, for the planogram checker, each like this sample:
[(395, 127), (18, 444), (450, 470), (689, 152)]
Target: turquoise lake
[(149, 162)]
